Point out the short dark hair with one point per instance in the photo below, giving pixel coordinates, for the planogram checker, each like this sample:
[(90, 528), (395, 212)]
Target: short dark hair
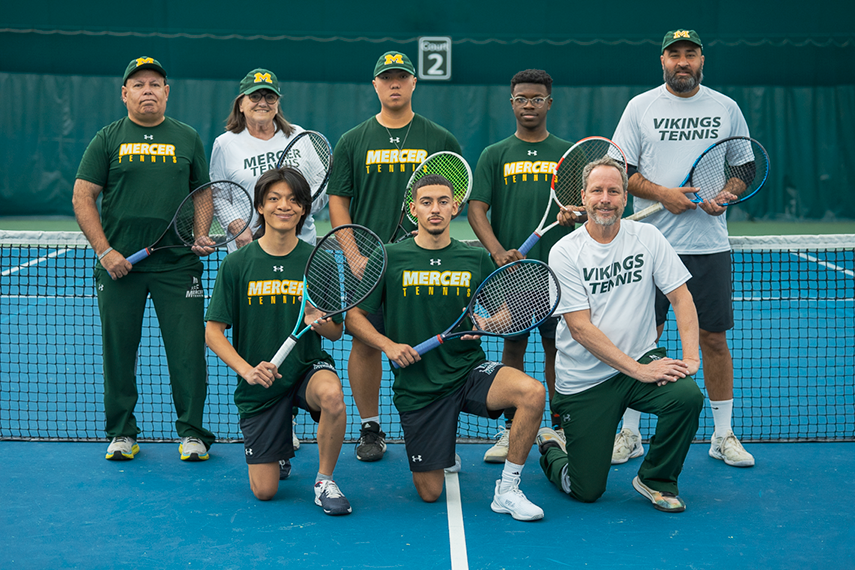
[(295, 180), (432, 180), (537, 76)]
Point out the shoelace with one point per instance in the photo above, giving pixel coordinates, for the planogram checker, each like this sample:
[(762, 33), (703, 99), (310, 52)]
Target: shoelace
[(193, 440), (331, 490)]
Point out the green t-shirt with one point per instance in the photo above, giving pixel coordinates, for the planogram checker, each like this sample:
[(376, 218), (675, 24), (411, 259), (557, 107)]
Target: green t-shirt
[(372, 166), (259, 296), (513, 177), (145, 173), (423, 293)]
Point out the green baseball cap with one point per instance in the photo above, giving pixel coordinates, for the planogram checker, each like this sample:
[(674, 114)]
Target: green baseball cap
[(259, 79), (140, 63), (394, 60), (681, 36)]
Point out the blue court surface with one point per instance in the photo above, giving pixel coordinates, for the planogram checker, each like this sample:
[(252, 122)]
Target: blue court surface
[(64, 506)]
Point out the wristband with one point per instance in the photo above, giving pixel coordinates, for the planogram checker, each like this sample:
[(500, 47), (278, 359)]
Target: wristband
[(103, 253)]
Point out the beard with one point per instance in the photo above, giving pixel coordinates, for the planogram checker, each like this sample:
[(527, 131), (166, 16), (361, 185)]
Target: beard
[(682, 84), (592, 215)]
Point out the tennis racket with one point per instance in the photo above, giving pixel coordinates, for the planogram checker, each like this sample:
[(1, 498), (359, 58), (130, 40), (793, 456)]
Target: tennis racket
[(727, 173), (198, 222), (343, 269), (453, 168), (566, 188), (310, 153), (513, 299)]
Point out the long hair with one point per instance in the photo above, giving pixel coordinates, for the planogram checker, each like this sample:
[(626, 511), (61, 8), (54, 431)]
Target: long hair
[(294, 179), (236, 122)]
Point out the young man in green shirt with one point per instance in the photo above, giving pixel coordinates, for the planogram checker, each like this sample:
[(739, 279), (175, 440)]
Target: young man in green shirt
[(143, 166), (258, 293), (428, 280), (371, 166), (513, 179)]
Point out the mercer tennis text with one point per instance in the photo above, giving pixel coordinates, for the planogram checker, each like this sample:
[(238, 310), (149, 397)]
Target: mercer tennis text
[(441, 279), (686, 128), (603, 279), (261, 163), (273, 287), (394, 156), (143, 149)]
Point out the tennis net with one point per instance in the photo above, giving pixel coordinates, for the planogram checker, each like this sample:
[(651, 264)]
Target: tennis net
[(793, 348)]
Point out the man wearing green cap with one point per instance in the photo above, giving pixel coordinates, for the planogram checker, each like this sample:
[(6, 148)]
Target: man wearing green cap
[(143, 166), (371, 166), (662, 132)]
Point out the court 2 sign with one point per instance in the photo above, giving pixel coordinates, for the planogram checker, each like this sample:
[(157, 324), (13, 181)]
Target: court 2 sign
[(435, 58)]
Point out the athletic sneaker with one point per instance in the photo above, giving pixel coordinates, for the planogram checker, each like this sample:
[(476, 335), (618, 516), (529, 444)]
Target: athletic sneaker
[(122, 448), (372, 443), (515, 503), (499, 452), (284, 469), (627, 446), (295, 442), (730, 450), (662, 501), (328, 496), (548, 437), (192, 449), (456, 467)]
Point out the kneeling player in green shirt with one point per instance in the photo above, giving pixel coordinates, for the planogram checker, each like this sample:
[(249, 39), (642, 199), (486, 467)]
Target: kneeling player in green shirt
[(428, 280), (258, 293)]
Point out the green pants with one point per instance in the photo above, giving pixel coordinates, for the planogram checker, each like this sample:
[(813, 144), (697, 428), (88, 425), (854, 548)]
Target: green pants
[(590, 420), (179, 303)]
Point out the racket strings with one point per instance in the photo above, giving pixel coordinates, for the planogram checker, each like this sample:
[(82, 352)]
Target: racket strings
[(737, 166), (516, 299), (449, 166), (344, 268), (311, 155), (211, 210), (568, 174)]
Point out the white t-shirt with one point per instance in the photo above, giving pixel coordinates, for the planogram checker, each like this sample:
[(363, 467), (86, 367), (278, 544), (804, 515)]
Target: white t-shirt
[(242, 158), (663, 135), (617, 282)]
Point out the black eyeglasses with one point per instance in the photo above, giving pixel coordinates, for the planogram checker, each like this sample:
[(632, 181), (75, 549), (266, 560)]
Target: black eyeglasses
[(523, 101), (271, 98)]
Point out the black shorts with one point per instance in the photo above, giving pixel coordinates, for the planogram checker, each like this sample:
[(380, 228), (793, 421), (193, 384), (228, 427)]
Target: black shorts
[(547, 330), (711, 289), (430, 433), (267, 436), (376, 320)]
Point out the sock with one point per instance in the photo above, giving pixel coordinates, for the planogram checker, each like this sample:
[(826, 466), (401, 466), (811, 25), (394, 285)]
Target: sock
[(375, 419), (722, 413), (510, 476), (631, 418), (322, 477)]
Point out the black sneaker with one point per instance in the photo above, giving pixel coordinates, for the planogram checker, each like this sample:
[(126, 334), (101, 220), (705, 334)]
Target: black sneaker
[(372, 443), (284, 469), (330, 497)]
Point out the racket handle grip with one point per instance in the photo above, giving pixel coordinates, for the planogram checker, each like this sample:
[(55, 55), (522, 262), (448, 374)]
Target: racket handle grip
[(529, 243), (138, 256), (284, 351), (423, 347), (648, 211)]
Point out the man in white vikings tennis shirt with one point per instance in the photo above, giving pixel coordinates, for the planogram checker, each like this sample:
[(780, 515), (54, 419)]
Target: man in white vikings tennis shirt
[(607, 360)]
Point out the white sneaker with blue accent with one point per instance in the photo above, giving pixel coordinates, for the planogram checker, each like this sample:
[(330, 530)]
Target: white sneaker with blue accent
[(515, 503), (192, 449)]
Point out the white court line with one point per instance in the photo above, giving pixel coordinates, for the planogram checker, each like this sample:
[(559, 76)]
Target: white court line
[(456, 535), (826, 264), (34, 262)]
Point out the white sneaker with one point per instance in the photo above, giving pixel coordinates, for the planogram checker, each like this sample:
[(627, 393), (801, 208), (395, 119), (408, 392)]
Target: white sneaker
[(627, 446), (499, 452), (730, 450), (294, 441), (515, 503), (548, 437), (122, 448), (192, 449), (456, 467)]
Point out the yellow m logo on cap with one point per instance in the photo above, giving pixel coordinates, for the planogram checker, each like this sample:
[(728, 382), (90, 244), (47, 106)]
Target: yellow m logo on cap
[(681, 34), (142, 60), (265, 77), (394, 59)]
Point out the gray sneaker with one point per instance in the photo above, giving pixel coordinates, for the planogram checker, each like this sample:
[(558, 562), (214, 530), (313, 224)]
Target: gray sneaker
[(372, 443), (330, 498), (122, 448)]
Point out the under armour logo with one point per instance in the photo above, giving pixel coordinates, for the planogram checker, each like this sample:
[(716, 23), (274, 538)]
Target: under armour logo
[(394, 139), (148, 137), (100, 286), (278, 268), (248, 451), (565, 418), (436, 262), (416, 458), (532, 153)]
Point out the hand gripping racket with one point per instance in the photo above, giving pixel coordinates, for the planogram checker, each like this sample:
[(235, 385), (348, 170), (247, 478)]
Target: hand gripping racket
[(343, 269), (513, 299), (447, 164), (310, 153), (195, 222), (566, 189), (727, 173)]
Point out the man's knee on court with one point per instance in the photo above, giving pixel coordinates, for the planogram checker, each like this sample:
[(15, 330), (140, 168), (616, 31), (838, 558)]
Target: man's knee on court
[(428, 485), (264, 490), (586, 493)]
